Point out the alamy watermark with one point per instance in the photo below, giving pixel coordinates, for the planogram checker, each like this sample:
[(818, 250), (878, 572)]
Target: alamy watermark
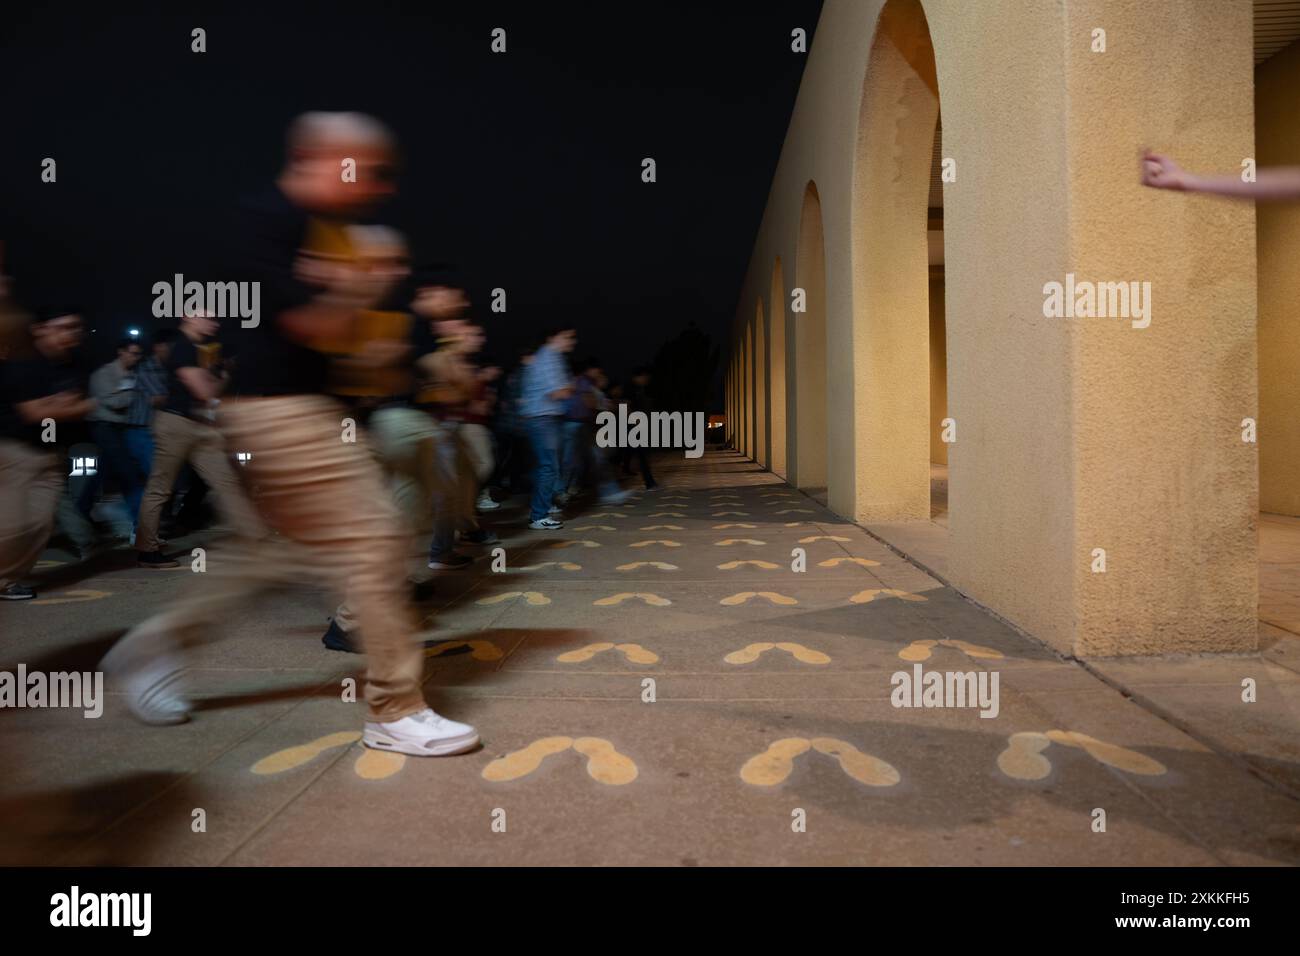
[(1098, 300), (946, 689), (651, 430), (222, 300), (78, 690)]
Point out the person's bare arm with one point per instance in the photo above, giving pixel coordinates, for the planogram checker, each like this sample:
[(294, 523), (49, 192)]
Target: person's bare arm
[(62, 407), (1278, 183)]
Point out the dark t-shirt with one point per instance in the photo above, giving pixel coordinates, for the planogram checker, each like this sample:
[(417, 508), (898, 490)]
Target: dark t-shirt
[(270, 232), (25, 380), (183, 355)]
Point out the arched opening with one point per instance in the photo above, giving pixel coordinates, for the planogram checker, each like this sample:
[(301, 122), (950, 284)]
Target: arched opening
[(776, 371), (1277, 143), (809, 451), (747, 390), (900, 337), (760, 387)]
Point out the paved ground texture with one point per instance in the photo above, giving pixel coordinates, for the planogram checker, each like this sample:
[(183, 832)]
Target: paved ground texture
[(655, 685)]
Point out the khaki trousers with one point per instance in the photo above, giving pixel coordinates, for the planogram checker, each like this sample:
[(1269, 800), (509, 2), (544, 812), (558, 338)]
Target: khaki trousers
[(177, 440), (405, 442), (335, 524), (31, 484)]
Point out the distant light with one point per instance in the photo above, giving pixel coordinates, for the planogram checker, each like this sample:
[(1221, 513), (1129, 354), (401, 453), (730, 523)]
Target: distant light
[(134, 333)]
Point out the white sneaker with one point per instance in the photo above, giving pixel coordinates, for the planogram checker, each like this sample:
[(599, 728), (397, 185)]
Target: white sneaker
[(555, 510), (422, 734), (545, 524), (485, 503), (155, 685)]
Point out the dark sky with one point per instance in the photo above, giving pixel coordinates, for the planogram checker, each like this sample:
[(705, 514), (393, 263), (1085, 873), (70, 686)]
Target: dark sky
[(524, 168)]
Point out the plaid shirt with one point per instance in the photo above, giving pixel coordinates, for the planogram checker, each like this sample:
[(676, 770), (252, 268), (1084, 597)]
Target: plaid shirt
[(150, 381)]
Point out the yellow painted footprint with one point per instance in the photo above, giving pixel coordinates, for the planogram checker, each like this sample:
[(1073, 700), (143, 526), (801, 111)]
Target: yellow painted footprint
[(821, 537), (732, 565), (633, 652), (663, 527), (562, 565), (292, 757), (775, 763), (869, 595), (72, 597), (667, 514), (479, 650), (520, 763), (733, 524), (378, 764), (532, 597), (863, 768), (575, 543), (791, 511), (920, 650), (661, 565), (654, 600), (1023, 758), (743, 596), (607, 514), (728, 542), (835, 562), (594, 527), (723, 514), (752, 652), (645, 544), (1112, 755)]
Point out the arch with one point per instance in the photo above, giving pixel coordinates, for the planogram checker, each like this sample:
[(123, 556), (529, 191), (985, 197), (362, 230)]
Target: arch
[(808, 451), (777, 372), (891, 324), (746, 389)]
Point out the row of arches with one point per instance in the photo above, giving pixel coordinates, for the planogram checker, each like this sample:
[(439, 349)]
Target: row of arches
[(888, 359)]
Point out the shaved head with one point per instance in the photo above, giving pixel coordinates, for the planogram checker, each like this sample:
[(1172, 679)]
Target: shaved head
[(321, 131)]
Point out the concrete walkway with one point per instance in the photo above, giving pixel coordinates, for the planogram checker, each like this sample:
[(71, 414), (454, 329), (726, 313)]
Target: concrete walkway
[(654, 685)]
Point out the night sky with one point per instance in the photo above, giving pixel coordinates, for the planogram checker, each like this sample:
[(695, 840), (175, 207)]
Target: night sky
[(524, 169)]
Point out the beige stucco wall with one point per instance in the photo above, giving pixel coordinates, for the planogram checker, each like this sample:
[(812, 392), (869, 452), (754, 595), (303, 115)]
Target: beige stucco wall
[(1277, 142), (1071, 434)]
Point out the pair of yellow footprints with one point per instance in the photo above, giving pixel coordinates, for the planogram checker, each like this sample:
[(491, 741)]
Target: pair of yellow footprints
[(776, 763), (1023, 759), (921, 650), (604, 763), (633, 652)]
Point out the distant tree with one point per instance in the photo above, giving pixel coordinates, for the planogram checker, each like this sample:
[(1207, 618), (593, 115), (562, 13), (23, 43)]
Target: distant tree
[(683, 371)]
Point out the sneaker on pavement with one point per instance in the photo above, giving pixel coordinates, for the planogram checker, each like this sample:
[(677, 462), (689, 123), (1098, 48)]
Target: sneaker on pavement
[(423, 734), (555, 510), (486, 503), (450, 562), (337, 639), (545, 524), (155, 688), (17, 592), (155, 560)]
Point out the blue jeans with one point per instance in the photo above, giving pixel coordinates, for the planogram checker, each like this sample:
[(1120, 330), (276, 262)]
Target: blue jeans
[(574, 458), (122, 457), (544, 435)]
